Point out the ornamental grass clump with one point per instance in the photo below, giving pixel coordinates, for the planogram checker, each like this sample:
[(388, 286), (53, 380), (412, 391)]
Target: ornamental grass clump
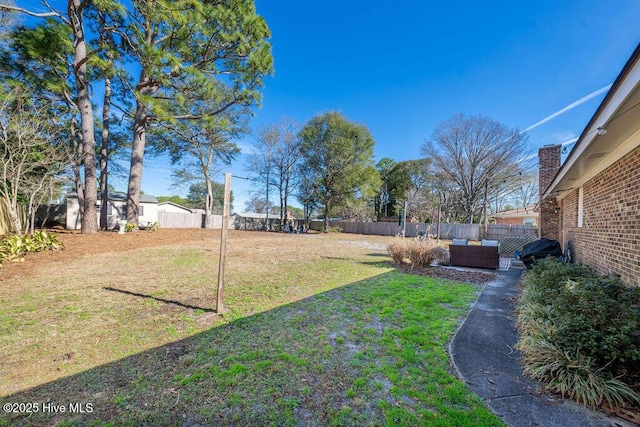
[(576, 376), (398, 252), (417, 253), (579, 332)]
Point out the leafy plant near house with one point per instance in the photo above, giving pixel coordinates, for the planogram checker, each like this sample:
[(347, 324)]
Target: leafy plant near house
[(579, 333), (154, 227), (14, 247), (129, 227)]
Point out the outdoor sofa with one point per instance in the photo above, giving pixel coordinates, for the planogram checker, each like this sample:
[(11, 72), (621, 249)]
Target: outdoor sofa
[(485, 255)]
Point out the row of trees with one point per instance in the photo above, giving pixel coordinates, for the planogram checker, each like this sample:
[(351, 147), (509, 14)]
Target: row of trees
[(326, 164), (472, 165), (183, 74)]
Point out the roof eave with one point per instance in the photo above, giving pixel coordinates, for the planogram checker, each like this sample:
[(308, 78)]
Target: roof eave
[(624, 85)]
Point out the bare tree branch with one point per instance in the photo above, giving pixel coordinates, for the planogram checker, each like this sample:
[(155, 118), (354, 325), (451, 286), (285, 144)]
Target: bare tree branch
[(30, 13), (475, 153)]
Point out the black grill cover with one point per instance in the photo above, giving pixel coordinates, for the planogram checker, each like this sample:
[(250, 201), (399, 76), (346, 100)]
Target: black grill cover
[(540, 249)]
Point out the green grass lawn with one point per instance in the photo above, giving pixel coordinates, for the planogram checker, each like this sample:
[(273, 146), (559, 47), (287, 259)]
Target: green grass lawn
[(326, 334)]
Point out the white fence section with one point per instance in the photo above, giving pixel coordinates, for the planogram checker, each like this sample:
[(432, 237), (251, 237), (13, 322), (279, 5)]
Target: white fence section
[(189, 220), (180, 220), (215, 221)]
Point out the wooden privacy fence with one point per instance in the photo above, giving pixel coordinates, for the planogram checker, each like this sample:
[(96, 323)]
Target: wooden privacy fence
[(511, 237), (215, 221), (447, 231), (457, 231), (6, 223), (187, 220)]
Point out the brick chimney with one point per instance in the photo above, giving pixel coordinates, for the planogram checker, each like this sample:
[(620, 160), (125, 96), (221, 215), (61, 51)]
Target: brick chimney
[(549, 163)]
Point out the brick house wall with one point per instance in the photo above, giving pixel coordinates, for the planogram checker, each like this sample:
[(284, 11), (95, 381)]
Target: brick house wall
[(509, 221), (549, 161), (515, 221), (609, 239)]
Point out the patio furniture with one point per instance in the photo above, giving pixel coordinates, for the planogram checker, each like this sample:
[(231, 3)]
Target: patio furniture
[(476, 256), (486, 242)]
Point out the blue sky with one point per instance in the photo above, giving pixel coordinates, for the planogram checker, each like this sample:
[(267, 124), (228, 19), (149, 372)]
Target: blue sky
[(403, 67)]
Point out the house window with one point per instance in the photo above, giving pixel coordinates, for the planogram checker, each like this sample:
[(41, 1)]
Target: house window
[(140, 210), (580, 205), (109, 209), (529, 221)]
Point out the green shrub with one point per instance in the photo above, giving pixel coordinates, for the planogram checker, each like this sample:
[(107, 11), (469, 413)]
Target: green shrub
[(45, 240), (128, 227), (14, 247), (598, 315), (579, 330), (604, 319), (154, 227)]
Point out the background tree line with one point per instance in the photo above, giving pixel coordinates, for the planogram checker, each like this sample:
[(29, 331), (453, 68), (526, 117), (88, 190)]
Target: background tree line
[(471, 163)]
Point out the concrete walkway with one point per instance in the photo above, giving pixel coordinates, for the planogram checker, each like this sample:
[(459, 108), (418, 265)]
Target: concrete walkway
[(483, 355)]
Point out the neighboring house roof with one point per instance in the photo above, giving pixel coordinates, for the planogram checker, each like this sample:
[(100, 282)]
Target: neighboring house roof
[(525, 212), (119, 197), (612, 132), (160, 204)]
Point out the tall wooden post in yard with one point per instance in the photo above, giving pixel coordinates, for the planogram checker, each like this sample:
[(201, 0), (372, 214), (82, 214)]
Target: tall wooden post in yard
[(438, 226), (404, 220), (486, 219), (223, 243)]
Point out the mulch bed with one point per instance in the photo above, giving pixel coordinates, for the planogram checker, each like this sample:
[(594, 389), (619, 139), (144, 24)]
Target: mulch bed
[(464, 276)]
